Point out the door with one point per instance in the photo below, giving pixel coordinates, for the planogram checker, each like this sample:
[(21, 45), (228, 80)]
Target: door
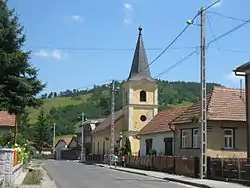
[(168, 146)]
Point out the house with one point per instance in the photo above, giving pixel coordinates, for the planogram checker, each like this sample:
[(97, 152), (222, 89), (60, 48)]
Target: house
[(73, 142), (7, 121), (140, 105), (88, 127), (226, 126), (158, 134), (62, 144)]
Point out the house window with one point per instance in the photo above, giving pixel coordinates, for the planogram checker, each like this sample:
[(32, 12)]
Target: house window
[(143, 96), (195, 138), (229, 138), (186, 135), (149, 146)]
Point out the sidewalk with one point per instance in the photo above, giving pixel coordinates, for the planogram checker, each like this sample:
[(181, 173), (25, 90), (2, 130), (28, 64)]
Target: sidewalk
[(176, 178)]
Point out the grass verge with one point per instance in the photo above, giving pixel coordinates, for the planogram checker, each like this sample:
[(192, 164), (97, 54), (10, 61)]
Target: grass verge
[(33, 177)]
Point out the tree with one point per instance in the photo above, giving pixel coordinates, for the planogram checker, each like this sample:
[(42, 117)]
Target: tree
[(41, 132), (19, 84)]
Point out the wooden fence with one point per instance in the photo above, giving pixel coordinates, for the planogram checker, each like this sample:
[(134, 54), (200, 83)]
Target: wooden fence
[(229, 168), (169, 164)]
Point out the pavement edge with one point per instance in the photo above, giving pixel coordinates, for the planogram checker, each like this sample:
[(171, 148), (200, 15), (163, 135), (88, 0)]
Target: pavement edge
[(50, 176), (168, 179)]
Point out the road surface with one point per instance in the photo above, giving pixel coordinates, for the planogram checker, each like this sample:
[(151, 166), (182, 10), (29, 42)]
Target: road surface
[(70, 174)]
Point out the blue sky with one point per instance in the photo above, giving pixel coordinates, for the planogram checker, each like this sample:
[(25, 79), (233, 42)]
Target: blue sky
[(66, 37)]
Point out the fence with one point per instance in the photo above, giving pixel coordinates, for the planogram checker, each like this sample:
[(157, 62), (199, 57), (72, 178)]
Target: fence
[(229, 168), (169, 164)]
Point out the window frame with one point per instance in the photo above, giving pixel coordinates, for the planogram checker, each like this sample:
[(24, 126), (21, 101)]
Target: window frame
[(228, 137), (195, 138), (143, 96), (184, 136)]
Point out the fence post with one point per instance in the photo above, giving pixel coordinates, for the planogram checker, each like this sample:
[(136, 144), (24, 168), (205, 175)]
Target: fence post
[(239, 168), (209, 167), (222, 167)]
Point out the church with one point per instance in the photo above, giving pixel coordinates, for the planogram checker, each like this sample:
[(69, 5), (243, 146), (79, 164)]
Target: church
[(140, 105)]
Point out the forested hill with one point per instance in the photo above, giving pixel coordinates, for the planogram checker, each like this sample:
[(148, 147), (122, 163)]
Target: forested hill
[(65, 108)]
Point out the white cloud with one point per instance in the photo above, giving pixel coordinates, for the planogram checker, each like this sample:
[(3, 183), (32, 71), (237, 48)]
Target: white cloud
[(217, 4), (128, 9), (77, 18), (233, 78), (56, 54)]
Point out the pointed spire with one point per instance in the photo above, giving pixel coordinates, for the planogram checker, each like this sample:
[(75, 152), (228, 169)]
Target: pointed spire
[(140, 67)]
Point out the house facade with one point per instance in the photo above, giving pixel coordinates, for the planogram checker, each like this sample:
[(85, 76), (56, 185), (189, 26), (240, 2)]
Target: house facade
[(157, 137), (7, 122), (64, 143), (226, 126), (88, 127), (140, 105)]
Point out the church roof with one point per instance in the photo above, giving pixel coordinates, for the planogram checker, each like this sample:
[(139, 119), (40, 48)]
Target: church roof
[(140, 68)]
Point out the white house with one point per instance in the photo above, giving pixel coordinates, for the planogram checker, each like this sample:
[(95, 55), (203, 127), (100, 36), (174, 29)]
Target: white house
[(157, 137), (61, 144)]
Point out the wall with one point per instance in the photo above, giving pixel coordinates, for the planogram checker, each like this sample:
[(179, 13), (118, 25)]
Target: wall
[(158, 142), (4, 129), (7, 170), (215, 140), (99, 137)]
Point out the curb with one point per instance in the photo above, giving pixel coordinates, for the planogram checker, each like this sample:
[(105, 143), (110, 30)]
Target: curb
[(121, 170), (188, 183), (168, 179), (50, 176)]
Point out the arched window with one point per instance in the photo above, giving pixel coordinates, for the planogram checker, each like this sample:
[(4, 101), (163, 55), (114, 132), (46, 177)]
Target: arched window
[(143, 96)]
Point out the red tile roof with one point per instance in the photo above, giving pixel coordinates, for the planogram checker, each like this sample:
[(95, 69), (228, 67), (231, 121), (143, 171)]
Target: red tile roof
[(222, 104), (67, 140), (160, 123), (6, 119), (107, 122)]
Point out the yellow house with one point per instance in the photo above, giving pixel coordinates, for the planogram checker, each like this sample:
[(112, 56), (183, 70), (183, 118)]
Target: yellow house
[(226, 126), (140, 105)]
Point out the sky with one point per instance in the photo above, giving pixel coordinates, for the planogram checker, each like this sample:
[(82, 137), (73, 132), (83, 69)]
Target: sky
[(76, 44)]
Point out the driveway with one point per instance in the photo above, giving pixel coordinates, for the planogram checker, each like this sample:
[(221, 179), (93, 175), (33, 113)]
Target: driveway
[(70, 174)]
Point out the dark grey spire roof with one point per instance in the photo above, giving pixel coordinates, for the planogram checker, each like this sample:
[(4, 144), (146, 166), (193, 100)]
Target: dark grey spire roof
[(140, 68)]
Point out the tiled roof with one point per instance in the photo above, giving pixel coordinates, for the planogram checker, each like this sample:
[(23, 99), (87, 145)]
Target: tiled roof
[(67, 140), (106, 122), (6, 119), (222, 104), (160, 123)]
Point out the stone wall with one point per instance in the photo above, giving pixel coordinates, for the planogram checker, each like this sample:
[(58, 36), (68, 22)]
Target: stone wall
[(7, 170)]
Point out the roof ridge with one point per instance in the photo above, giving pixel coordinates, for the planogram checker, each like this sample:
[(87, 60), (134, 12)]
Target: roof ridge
[(228, 88)]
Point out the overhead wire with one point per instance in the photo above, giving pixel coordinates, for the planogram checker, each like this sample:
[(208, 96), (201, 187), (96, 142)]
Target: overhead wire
[(207, 46), (226, 16)]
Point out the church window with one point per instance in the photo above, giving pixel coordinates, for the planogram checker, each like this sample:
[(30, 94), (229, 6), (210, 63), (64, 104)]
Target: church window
[(143, 96), (143, 118)]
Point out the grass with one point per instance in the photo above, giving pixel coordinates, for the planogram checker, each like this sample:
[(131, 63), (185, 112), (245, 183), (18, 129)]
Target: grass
[(33, 177), (56, 102)]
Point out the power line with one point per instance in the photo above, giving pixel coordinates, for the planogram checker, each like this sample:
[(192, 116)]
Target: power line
[(196, 51), (103, 49), (183, 31), (228, 32), (226, 16)]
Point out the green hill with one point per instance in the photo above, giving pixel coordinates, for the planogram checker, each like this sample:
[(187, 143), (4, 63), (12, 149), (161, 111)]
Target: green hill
[(65, 108)]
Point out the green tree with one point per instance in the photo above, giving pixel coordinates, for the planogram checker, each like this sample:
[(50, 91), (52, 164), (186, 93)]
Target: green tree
[(41, 132), (19, 84)]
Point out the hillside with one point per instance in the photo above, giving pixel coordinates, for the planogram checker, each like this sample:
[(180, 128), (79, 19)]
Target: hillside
[(65, 108)]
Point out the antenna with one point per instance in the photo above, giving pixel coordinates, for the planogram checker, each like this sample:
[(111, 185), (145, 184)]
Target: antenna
[(241, 88)]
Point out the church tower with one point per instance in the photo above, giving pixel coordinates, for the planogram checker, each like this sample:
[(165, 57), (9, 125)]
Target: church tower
[(140, 101)]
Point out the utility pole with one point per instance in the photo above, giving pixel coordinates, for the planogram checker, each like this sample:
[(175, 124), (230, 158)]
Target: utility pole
[(54, 137), (203, 121), (82, 146), (112, 127)]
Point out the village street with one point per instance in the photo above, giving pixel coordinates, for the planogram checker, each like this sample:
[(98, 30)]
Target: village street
[(76, 175)]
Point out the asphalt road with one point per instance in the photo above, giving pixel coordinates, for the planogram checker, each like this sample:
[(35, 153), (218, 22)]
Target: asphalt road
[(70, 174)]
